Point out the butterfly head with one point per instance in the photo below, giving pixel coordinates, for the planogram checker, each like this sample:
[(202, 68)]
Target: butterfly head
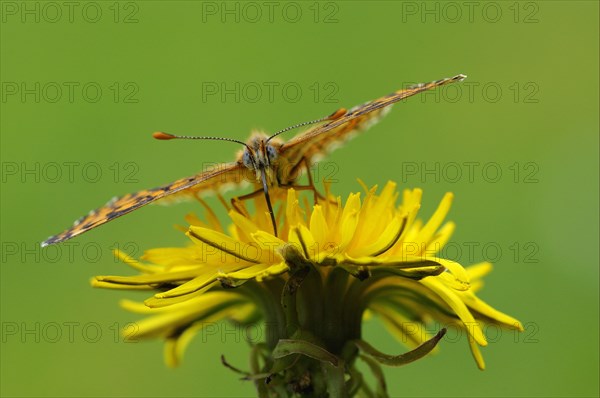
[(260, 155)]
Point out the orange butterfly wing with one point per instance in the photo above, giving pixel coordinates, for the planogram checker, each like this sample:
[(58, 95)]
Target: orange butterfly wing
[(232, 173), (324, 138), (307, 145)]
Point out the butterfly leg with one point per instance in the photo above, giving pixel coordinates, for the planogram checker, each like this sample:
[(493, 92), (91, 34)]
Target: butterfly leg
[(316, 194), (235, 202), (311, 185)]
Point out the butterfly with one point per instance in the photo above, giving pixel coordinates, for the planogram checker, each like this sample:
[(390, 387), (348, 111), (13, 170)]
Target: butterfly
[(265, 161)]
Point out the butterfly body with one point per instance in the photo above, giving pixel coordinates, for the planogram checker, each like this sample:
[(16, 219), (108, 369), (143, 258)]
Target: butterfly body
[(265, 161), (260, 155)]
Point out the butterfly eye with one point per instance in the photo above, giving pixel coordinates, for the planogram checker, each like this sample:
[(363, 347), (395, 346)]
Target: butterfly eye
[(247, 160), (271, 153)]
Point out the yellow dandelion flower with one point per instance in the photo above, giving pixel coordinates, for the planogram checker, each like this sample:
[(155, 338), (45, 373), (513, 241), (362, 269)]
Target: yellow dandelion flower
[(331, 263)]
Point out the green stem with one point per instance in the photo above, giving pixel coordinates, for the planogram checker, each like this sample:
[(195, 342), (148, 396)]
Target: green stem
[(310, 306), (266, 296), (332, 320), (289, 298), (334, 377)]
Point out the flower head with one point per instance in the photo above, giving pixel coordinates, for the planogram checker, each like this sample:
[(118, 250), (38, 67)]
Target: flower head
[(332, 263)]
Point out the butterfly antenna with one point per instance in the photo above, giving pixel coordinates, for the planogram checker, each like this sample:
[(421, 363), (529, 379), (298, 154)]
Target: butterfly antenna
[(159, 135), (335, 115)]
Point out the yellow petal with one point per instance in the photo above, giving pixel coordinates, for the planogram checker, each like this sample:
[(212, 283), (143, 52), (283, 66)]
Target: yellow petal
[(303, 241), (156, 302), (411, 198), (246, 226), (140, 308), (457, 278), (436, 220), (318, 226), (133, 263), (292, 209), (191, 286), (118, 286), (408, 332), (172, 256), (457, 305), (483, 308), (164, 277), (349, 220), (267, 246), (384, 242), (476, 352), (385, 201), (193, 219), (216, 244), (257, 272), (479, 270), (165, 322), (175, 346), (440, 239)]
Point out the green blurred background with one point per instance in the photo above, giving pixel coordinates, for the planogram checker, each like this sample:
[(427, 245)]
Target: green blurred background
[(85, 83)]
